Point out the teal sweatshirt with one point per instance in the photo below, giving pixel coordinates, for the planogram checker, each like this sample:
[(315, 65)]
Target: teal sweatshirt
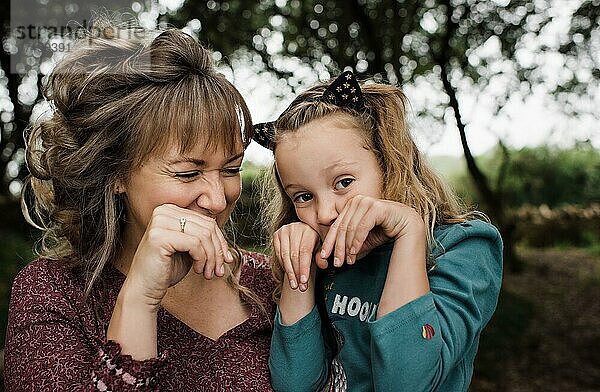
[(429, 344)]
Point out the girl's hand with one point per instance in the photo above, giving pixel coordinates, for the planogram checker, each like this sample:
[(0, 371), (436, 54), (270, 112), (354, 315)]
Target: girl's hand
[(294, 246), (366, 223), (165, 253)]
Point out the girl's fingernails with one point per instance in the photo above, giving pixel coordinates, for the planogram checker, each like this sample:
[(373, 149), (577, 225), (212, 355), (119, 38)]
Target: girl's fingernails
[(323, 253), (293, 284), (222, 270), (229, 256), (302, 287), (303, 279), (349, 259), (352, 251), (336, 261)]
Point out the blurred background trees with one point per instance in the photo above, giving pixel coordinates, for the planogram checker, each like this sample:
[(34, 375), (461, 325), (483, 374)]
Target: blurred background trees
[(454, 58), (490, 50)]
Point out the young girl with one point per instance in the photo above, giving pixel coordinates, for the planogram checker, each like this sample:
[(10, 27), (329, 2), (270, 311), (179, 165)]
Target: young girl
[(408, 279)]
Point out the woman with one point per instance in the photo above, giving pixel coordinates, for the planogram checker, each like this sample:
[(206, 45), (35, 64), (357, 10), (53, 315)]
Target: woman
[(133, 179)]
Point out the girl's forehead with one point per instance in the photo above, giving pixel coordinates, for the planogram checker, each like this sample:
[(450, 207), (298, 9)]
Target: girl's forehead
[(325, 132), (320, 146)]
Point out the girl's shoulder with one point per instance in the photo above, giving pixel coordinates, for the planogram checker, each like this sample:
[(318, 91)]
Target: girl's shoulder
[(452, 234)]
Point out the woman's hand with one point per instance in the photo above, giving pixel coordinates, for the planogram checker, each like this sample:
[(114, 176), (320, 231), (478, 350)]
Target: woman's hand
[(366, 223), (166, 253), (295, 245)]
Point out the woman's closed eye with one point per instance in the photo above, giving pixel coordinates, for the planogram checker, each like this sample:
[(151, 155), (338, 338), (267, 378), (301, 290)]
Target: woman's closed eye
[(192, 174), (343, 183), (188, 175), (231, 171)]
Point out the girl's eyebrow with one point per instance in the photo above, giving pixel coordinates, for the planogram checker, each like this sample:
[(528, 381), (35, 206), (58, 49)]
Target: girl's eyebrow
[(287, 187), (338, 164)]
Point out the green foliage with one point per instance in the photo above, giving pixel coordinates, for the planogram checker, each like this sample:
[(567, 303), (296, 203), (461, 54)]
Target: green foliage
[(396, 41), (247, 219), (554, 177), (541, 175), (551, 194)]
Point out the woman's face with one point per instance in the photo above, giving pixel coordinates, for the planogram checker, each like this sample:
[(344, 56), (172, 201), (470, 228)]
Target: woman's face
[(324, 164), (203, 180)]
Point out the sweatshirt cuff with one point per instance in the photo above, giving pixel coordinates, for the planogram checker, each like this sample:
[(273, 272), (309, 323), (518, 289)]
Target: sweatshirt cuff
[(292, 332)]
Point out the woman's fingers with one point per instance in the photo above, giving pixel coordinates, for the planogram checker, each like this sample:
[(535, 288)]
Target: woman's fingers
[(210, 239), (223, 253)]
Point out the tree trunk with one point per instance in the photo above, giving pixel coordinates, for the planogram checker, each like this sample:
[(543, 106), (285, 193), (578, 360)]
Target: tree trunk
[(493, 201)]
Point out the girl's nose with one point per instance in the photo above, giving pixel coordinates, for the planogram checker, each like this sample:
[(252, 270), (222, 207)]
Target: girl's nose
[(327, 212)]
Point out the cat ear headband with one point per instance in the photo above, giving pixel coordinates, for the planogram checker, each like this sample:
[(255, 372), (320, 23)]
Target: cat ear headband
[(344, 92)]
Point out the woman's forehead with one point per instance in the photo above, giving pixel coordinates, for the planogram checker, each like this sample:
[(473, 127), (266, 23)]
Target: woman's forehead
[(203, 148)]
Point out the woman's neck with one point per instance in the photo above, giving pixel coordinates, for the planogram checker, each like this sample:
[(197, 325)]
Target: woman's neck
[(130, 240)]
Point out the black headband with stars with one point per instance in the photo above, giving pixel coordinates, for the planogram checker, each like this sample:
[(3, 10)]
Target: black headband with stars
[(344, 92)]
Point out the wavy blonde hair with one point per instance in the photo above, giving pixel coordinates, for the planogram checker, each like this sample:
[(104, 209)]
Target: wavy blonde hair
[(121, 95), (407, 178)]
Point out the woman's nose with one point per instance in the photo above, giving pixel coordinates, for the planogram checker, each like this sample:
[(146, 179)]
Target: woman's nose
[(212, 194)]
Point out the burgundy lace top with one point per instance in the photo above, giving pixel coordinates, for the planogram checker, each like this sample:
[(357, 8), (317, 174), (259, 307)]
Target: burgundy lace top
[(56, 343)]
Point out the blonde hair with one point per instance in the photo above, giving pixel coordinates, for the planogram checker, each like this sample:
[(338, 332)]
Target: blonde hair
[(121, 95), (407, 178)]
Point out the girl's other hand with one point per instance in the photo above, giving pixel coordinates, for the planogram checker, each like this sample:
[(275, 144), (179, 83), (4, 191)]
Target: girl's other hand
[(366, 223), (295, 246)]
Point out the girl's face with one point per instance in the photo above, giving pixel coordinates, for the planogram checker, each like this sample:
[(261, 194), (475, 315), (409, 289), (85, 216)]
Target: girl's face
[(324, 164), (201, 180)]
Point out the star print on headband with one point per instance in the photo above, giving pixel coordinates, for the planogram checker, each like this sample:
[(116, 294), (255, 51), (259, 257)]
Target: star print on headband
[(344, 92)]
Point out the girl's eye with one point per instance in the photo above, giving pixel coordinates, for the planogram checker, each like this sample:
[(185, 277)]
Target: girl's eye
[(188, 175), (303, 198), (232, 171), (343, 183)]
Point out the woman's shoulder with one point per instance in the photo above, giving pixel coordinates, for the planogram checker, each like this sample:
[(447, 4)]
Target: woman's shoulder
[(47, 273), (452, 234), (258, 274), (256, 260), (46, 285)]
